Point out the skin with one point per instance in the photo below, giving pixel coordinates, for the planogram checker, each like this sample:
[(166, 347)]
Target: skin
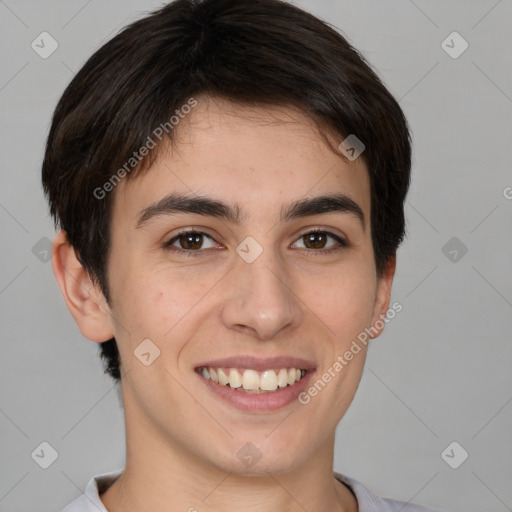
[(182, 441)]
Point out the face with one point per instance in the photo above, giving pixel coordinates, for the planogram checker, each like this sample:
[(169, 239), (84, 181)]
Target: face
[(260, 290)]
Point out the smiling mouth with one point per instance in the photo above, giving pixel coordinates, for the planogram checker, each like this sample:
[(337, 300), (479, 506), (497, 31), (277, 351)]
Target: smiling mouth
[(247, 380)]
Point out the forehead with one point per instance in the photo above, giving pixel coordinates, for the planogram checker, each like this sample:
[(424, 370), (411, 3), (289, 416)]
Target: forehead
[(257, 157)]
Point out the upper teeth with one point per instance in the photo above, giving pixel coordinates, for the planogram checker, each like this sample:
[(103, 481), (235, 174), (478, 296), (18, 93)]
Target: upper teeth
[(267, 380)]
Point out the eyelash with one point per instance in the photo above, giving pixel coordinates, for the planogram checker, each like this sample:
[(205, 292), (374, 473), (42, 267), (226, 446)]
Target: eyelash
[(193, 253)]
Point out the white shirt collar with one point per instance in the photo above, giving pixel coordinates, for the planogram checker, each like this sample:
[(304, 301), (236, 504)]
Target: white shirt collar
[(367, 501)]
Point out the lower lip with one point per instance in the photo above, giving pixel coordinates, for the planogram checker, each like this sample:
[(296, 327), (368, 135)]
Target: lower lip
[(259, 402)]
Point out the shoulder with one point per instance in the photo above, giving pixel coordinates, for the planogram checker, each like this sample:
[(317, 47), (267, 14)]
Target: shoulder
[(370, 502), (90, 500)]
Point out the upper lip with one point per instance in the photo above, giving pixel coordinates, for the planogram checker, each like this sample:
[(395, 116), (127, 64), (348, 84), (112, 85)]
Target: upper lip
[(259, 364)]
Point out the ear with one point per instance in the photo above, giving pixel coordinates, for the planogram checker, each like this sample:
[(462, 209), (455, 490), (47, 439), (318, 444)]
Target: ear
[(382, 298), (84, 299)]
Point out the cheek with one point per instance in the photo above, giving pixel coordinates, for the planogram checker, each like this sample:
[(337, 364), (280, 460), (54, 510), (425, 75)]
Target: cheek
[(343, 298), (152, 307), (159, 303)]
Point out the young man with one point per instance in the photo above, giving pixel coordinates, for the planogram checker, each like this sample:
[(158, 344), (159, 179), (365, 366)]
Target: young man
[(229, 179)]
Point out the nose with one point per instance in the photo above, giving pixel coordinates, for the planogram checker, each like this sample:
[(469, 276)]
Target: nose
[(259, 298)]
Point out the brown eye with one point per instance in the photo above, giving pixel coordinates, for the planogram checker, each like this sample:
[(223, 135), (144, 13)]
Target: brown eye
[(317, 240), (189, 241)]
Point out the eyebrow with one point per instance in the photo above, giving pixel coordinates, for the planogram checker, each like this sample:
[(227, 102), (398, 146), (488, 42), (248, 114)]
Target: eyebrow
[(208, 206)]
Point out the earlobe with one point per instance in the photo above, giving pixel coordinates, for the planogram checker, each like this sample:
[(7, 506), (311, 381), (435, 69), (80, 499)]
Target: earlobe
[(84, 298), (382, 299)]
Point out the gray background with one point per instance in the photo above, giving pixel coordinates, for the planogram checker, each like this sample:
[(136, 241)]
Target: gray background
[(441, 372)]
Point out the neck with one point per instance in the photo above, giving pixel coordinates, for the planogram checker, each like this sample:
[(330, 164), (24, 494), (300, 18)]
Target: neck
[(161, 474)]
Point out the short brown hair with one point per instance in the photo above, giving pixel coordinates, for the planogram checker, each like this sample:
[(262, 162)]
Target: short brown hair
[(257, 52)]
